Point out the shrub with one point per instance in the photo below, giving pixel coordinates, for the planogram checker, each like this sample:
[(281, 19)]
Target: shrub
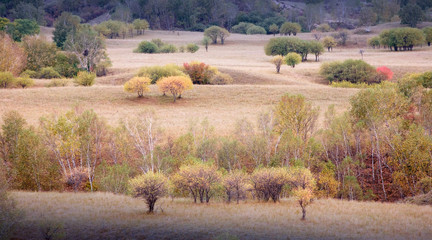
[(30, 73), (182, 49), (384, 73), (12, 56), (342, 37), (329, 43), (24, 81), (242, 27), (175, 85), (303, 184), (256, 30), (149, 186), (146, 47), (138, 85), (292, 59), (277, 61), (157, 72), (374, 42), (66, 64), (354, 71), (48, 73), (221, 79), (192, 47), (158, 42), (6, 79), (215, 32), (56, 82), (85, 78), (199, 72), (402, 38), (40, 52), (273, 29), (200, 180), (168, 48)]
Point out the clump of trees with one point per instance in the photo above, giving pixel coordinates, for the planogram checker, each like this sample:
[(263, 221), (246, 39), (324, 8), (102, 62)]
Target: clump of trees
[(20, 28), (284, 45), (248, 28), (157, 72), (401, 39), (215, 33), (329, 43)]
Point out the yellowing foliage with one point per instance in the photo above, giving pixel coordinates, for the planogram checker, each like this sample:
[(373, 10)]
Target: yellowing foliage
[(138, 85), (12, 56), (150, 186), (175, 85)]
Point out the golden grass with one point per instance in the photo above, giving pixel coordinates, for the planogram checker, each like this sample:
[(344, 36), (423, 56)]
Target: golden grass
[(104, 215)]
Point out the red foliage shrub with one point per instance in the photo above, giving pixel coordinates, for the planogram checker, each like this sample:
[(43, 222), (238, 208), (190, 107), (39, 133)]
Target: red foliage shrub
[(385, 72), (199, 72)]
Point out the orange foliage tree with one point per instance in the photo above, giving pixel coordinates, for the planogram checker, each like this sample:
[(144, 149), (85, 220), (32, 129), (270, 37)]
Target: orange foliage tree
[(199, 72), (12, 56), (138, 85), (385, 73), (175, 85)]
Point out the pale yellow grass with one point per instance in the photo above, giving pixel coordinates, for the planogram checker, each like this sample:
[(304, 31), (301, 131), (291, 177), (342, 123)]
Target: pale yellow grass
[(108, 216)]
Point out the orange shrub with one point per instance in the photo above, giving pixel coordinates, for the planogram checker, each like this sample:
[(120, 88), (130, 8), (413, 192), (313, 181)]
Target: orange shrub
[(175, 85), (12, 57), (199, 72)]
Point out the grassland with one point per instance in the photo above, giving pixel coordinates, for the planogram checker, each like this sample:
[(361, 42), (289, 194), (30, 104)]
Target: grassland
[(255, 90), (109, 216)]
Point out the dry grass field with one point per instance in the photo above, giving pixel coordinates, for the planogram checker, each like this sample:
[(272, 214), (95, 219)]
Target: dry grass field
[(109, 216), (255, 90)]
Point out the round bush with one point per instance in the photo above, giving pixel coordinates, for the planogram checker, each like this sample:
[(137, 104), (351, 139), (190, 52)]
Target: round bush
[(24, 81), (48, 73), (30, 73), (147, 47), (6, 79), (192, 47), (169, 48), (85, 78), (354, 71), (256, 30), (157, 72), (292, 59), (221, 79)]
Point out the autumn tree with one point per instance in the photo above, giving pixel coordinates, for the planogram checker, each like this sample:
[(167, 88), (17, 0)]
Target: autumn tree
[(12, 57), (7, 79), (199, 72), (199, 179), (149, 186), (235, 184), (138, 85), (303, 184), (175, 85), (277, 61)]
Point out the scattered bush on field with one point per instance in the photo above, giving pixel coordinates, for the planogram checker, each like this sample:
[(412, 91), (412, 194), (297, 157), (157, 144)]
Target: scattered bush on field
[(168, 48), (215, 32), (157, 72), (40, 53), (200, 180), (30, 73), (6, 79), (273, 29), (24, 81), (329, 42), (149, 186), (401, 39), (374, 42), (199, 72), (342, 37), (175, 85), (221, 79), (384, 73), (256, 30), (85, 79), (138, 85), (146, 47), (284, 45), (58, 82), (242, 27), (292, 59), (66, 64), (354, 71), (48, 73), (324, 27), (268, 183), (289, 28), (277, 61), (192, 47), (158, 42)]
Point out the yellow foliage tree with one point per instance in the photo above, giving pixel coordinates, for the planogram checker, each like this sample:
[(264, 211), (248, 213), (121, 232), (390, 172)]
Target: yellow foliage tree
[(150, 186), (277, 61), (138, 85), (175, 85), (303, 184), (12, 56)]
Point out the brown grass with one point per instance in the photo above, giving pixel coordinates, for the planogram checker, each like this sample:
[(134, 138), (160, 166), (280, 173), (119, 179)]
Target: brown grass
[(104, 215)]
